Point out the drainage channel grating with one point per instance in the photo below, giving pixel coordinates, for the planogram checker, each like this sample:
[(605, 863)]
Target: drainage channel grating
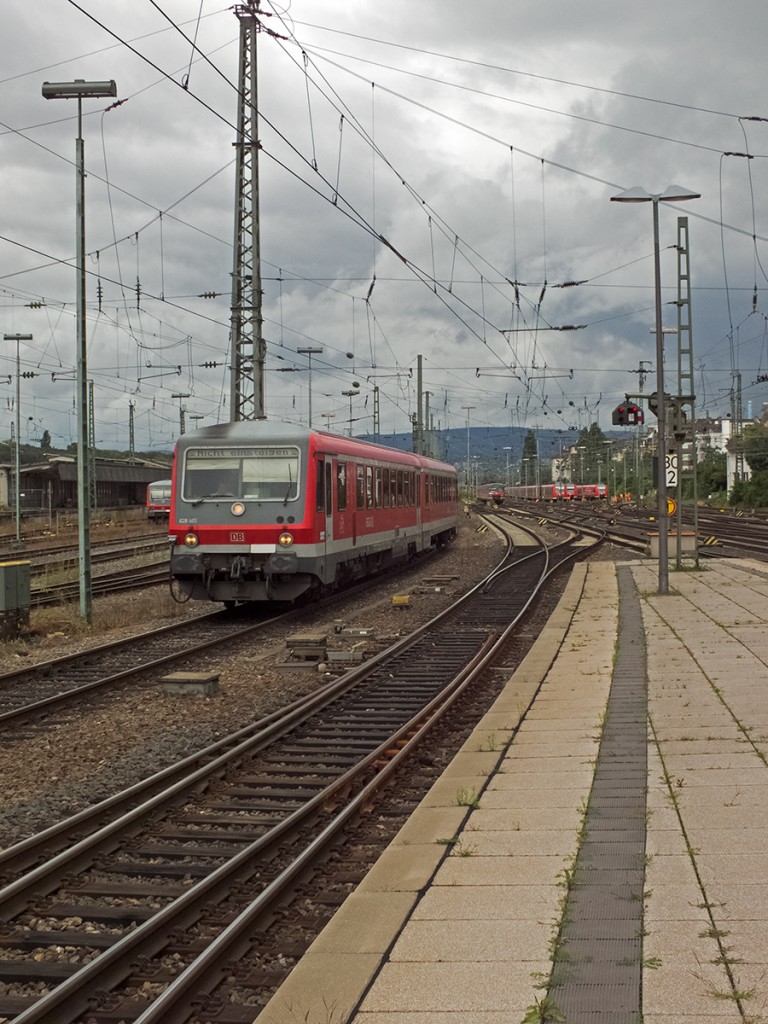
[(597, 972)]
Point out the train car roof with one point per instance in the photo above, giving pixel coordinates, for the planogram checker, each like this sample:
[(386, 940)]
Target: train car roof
[(249, 432)]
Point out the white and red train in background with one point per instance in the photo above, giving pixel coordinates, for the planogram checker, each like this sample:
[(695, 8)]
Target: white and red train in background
[(158, 500), (269, 512), (496, 494)]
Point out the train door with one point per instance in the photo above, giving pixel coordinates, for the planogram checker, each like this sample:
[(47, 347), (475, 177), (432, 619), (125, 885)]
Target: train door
[(328, 506), (324, 504)]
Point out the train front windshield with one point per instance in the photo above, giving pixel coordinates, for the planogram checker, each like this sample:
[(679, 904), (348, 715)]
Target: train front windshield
[(160, 494), (250, 474)]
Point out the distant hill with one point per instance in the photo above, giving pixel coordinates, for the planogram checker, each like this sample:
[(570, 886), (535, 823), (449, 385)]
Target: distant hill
[(487, 445)]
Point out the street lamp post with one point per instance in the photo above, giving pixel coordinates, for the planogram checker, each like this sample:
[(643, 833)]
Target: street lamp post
[(674, 193), (16, 469), (310, 351), (80, 90)]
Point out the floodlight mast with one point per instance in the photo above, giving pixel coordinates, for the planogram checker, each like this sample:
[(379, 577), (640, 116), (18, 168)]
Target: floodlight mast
[(79, 90)]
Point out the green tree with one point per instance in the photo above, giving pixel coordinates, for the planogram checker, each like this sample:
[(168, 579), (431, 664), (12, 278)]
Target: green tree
[(592, 440), (711, 473), (756, 447), (45, 441)]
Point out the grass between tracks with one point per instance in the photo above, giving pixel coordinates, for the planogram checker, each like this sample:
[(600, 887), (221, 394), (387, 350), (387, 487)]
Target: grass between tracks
[(54, 630)]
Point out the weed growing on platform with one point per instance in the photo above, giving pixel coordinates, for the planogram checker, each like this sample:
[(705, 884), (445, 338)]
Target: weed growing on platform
[(462, 850), (543, 1011), (327, 1014), (467, 797)]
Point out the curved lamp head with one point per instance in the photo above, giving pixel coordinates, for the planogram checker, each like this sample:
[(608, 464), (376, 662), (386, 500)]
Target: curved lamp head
[(671, 194)]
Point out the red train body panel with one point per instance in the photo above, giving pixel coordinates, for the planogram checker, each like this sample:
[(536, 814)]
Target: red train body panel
[(159, 500), (263, 511)]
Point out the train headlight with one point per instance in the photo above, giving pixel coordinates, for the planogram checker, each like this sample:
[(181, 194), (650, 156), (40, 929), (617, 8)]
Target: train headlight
[(285, 540), (237, 509), (191, 540)]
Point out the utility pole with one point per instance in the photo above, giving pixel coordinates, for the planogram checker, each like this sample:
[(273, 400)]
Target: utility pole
[(642, 374), (91, 445), (376, 414), (417, 444), (247, 343), (468, 409), (17, 439), (685, 387), (131, 431)]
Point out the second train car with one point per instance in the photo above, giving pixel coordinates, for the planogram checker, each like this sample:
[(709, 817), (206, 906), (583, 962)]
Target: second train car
[(269, 512)]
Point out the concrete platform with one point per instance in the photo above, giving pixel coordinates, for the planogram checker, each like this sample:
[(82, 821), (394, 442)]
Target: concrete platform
[(466, 930)]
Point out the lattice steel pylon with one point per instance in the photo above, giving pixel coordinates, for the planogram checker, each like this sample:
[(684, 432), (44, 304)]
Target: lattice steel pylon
[(248, 350), (685, 383)]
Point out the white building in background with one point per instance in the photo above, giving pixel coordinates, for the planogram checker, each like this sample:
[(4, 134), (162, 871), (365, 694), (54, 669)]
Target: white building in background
[(715, 435)]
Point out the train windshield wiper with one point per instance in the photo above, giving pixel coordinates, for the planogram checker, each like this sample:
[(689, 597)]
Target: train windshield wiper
[(207, 497), (290, 485)]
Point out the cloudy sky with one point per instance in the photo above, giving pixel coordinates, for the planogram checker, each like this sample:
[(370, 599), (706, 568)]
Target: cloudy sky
[(435, 180)]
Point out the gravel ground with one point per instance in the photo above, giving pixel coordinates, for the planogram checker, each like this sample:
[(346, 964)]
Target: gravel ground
[(129, 735)]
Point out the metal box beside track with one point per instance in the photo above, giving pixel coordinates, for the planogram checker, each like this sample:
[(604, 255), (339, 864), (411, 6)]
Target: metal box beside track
[(14, 598)]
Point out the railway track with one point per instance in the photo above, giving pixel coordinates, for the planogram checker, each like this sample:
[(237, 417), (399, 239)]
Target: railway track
[(721, 534), (45, 553), (30, 694), (104, 584), (188, 867)]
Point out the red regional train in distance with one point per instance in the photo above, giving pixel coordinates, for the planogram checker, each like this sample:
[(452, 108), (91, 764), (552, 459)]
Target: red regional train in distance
[(263, 511), (158, 500), (490, 494), (558, 492)]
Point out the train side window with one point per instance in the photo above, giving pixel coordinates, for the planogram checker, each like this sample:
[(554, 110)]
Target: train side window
[(406, 487), (426, 488), (320, 486), (328, 489), (369, 487), (385, 485), (378, 486), (341, 486), (399, 487), (361, 486), (393, 487)]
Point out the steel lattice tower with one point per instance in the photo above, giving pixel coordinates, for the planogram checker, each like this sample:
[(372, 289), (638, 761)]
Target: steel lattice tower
[(248, 350)]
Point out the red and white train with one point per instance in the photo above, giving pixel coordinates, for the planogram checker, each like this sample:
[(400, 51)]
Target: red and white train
[(268, 512), (558, 492), (158, 500), (490, 494)]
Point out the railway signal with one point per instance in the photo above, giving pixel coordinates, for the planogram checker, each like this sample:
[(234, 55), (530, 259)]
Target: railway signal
[(627, 415)]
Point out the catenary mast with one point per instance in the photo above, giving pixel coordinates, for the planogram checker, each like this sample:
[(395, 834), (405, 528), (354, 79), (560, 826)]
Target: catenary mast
[(248, 351)]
